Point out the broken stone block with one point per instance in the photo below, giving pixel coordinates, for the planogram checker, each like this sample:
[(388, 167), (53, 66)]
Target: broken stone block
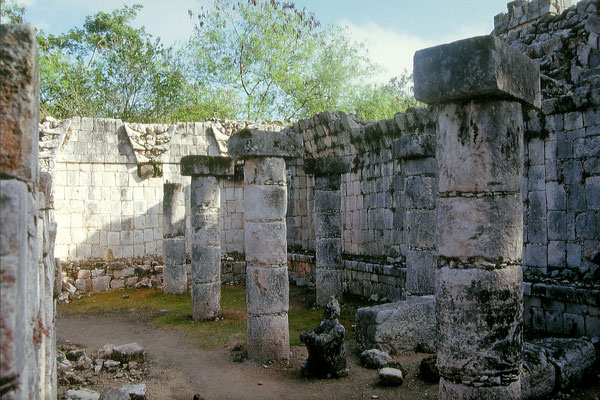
[(374, 359), (111, 393), (111, 365), (135, 392), (129, 352), (82, 394), (538, 376), (397, 327), (325, 345), (390, 377)]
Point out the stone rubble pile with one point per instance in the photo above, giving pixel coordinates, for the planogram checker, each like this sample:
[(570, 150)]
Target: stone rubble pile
[(78, 372)]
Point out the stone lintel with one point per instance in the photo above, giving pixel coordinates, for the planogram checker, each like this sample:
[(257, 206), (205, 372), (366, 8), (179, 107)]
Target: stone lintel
[(207, 166), (19, 102), (482, 66), (253, 143), (414, 145), (327, 165)]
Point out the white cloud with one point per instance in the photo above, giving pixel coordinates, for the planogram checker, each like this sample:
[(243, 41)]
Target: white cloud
[(394, 50)]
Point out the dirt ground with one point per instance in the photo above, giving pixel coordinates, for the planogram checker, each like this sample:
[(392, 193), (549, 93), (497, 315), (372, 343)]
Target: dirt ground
[(179, 370)]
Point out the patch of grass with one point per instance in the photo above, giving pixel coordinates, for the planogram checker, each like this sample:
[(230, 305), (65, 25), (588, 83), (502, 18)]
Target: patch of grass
[(176, 311)]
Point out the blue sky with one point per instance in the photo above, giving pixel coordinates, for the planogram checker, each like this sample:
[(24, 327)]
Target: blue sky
[(392, 29)]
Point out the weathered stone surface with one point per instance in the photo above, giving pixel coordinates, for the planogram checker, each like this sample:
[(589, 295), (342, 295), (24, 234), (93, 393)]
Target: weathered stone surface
[(414, 145), (266, 242), (325, 345), (254, 143), (449, 390), (267, 290), (207, 166), (206, 300), (273, 200), (173, 251), (111, 393), (175, 278), (571, 357), (473, 305), (327, 166), (328, 283), (268, 337), (265, 171), (82, 394), (128, 352), (135, 392), (538, 376), (205, 195), (481, 66), (421, 271), (390, 377), (374, 358), (481, 146), (328, 253), (486, 227), (206, 263), (173, 210), (19, 102), (397, 327)]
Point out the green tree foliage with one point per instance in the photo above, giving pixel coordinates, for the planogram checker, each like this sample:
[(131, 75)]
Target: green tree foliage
[(379, 101), (107, 68), (276, 59), (11, 12)]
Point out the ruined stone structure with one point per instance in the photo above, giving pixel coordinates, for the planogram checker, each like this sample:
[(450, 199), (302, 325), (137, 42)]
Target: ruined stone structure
[(205, 237), (174, 254), (265, 205), (478, 84), (27, 231), (328, 252), (396, 205)]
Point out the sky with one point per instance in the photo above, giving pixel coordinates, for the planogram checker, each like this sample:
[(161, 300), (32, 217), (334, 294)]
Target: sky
[(391, 29)]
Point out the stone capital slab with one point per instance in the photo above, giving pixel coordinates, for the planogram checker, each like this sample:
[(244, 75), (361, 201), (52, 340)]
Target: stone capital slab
[(217, 166), (482, 66), (253, 143)]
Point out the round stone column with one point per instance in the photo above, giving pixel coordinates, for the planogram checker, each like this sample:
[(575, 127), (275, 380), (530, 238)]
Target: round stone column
[(174, 255), (479, 84), (205, 240), (265, 205), (328, 226)]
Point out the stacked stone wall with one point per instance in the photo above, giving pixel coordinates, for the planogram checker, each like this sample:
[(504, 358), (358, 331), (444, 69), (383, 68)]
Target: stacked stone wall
[(102, 201)]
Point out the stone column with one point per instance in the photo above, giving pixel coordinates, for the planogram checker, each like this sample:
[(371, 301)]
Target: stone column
[(265, 205), (479, 84), (205, 202), (328, 227), (174, 255), (26, 316)]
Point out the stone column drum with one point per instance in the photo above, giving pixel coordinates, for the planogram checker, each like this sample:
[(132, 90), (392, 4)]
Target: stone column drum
[(265, 205), (205, 204), (480, 85), (328, 231), (174, 255)]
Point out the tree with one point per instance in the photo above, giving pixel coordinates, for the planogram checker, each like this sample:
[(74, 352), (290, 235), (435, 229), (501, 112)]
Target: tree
[(11, 12), (107, 68), (379, 101), (275, 58)]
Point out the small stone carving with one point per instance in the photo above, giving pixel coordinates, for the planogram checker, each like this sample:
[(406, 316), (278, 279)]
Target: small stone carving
[(325, 344)]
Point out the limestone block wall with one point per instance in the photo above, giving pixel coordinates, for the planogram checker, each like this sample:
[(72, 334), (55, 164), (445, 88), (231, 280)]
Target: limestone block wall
[(109, 195), (561, 189)]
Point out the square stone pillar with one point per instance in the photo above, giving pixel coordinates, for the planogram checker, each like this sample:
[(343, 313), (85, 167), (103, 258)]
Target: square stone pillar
[(205, 202), (174, 255), (480, 85), (328, 225), (265, 205)]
